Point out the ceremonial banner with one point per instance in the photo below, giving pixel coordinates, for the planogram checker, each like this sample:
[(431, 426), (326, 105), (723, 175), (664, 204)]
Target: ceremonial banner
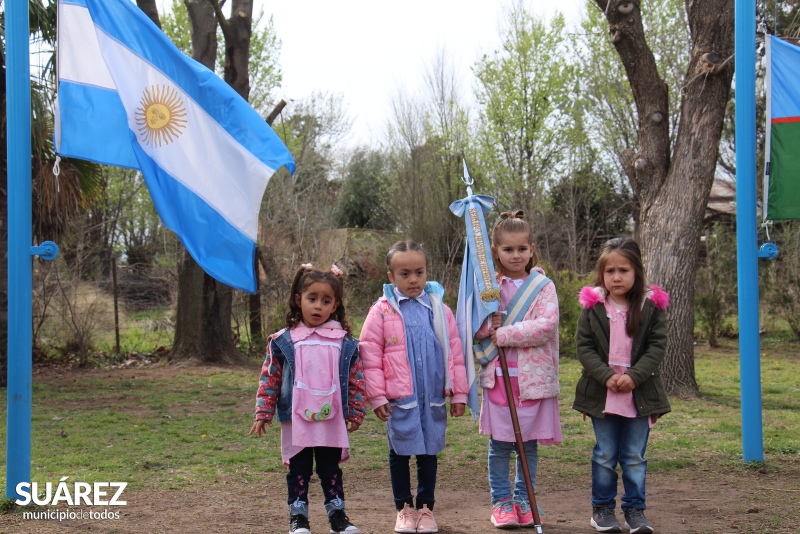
[(478, 295)]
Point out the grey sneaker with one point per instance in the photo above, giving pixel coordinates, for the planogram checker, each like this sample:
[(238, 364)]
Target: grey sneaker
[(637, 522), (604, 520)]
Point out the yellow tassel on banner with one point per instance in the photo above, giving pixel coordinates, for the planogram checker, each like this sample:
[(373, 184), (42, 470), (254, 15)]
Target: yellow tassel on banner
[(490, 295)]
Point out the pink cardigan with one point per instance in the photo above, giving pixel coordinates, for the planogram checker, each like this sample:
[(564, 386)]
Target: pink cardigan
[(536, 340), (382, 346)]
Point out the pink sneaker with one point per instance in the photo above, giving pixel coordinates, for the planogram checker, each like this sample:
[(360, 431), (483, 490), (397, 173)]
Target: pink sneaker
[(406, 520), (524, 514), (504, 514), (425, 521)]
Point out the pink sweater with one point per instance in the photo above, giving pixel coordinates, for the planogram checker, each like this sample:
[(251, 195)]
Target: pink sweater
[(536, 340)]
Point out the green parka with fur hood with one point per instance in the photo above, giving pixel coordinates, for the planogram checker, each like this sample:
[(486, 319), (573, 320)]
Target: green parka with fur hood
[(649, 347)]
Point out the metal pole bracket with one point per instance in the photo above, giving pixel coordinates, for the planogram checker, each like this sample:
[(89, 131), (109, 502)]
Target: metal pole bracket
[(47, 251), (768, 251)]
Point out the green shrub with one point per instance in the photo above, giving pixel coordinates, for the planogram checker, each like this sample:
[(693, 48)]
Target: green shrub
[(715, 285), (783, 279), (568, 285)]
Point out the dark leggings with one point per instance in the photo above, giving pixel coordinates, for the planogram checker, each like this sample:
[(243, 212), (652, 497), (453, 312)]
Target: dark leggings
[(330, 475), (400, 472)]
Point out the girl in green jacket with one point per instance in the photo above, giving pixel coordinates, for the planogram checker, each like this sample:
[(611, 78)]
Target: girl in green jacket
[(621, 340)]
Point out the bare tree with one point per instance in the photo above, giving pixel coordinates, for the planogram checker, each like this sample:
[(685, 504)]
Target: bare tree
[(673, 185)]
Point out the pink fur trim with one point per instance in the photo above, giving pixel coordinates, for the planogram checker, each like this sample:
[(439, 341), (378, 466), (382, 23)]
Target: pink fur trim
[(590, 296), (659, 297)]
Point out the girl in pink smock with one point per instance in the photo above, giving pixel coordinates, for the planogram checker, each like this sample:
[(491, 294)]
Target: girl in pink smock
[(314, 379), (527, 329)]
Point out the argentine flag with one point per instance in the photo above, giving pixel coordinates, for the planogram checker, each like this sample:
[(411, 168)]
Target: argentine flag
[(128, 97)]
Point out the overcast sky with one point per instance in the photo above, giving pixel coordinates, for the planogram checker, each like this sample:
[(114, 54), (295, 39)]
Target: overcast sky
[(368, 49)]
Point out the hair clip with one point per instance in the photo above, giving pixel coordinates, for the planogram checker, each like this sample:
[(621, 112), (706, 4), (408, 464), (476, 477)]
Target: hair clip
[(337, 272), (306, 266)]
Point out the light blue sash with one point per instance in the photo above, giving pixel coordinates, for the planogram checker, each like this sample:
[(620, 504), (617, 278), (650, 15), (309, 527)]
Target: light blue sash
[(486, 351)]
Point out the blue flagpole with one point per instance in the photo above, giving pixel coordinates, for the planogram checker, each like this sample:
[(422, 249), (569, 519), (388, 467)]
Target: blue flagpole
[(746, 256), (18, 112)]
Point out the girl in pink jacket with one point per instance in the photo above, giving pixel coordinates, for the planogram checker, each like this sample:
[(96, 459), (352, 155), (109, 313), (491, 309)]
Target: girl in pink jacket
[(527, 329), (412, 361)]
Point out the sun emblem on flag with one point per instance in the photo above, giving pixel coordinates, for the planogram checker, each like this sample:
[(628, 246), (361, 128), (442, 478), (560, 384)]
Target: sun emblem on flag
[(160, 116)]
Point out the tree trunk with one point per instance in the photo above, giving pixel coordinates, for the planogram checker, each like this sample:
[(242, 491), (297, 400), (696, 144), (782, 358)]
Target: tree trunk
[(673, 189), (150, 9), (203, 318), (237, 46), (254, 307)]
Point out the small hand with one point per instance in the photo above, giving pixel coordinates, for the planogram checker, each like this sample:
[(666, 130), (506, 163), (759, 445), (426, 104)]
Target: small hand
[(258, 427), (496, 320), (612, 385), (625, 383), (456, 409), (383, 412), (352, 426), (494, 337)]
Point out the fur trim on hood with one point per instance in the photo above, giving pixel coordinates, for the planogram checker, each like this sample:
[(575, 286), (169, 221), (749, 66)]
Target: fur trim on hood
[(590, 296), (659, 297)]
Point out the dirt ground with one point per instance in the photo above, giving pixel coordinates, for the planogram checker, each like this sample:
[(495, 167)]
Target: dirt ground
[(693, 504), (679, 501)]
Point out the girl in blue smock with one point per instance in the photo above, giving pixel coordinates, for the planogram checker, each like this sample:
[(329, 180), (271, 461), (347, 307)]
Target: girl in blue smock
[(412, 361)]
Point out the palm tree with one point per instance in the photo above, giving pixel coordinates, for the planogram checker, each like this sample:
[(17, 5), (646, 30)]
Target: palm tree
[(55, 202)]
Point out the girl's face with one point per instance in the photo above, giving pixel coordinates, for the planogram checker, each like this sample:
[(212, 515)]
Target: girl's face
[(618, 277), (514, 251), (409, 272), (316, 303)]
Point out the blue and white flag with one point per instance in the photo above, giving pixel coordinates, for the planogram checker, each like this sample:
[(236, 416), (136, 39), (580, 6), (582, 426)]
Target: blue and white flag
[(478, 294), (128, 97)]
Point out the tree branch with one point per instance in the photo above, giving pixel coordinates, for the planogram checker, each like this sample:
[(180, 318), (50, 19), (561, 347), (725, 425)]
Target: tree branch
[(275, 112), (221, 20), (648, 167)]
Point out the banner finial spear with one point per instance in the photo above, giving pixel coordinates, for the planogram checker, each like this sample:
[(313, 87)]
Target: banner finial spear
[(467, 179)]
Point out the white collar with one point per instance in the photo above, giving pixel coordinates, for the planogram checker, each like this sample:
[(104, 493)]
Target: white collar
[(516, 281), (401, 297)]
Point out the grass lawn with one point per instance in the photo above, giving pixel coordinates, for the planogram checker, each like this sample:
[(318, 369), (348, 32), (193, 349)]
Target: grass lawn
[(168, 428)]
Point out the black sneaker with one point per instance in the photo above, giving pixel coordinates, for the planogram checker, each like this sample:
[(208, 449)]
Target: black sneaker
[(637, 522), (604, 520), (340, 523), (299, 523)]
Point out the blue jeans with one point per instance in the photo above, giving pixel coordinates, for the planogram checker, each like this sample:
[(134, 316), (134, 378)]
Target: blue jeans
[(499, 460), (400, 473), (620, 440)]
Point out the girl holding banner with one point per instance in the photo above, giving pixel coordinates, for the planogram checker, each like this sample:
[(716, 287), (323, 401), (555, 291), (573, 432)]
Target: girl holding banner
[(527, 327)]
